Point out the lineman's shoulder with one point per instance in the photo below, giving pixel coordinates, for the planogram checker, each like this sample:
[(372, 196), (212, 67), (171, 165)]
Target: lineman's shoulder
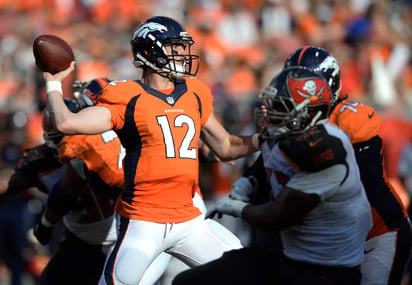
[(203, 95), (198, 86), (361, 122), (313, 150)]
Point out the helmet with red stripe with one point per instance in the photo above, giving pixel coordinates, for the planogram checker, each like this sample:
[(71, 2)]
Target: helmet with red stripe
[(320, 61)]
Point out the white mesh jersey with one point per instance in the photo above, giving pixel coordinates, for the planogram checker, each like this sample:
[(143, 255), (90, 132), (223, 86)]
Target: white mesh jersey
[(322, 162), (101, 232)]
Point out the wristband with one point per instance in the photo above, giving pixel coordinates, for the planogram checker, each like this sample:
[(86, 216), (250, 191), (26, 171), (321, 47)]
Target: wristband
[(46, 222), (255, 141), (54, 86)]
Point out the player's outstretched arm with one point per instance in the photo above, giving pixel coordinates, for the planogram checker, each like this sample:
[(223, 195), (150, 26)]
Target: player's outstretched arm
[(226, 146)]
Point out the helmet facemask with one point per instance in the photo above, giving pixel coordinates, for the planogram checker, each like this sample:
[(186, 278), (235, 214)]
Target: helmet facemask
[(154, 38), (287, 109), (90, 92), (167, 63), (181, 64), (280, 117)]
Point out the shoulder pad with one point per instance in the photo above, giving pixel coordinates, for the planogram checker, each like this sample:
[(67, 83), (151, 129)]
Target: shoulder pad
[(313, 150), (359, 121), (128, 89)]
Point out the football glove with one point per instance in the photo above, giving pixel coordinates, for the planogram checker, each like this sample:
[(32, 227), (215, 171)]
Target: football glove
[(243, 189), (227, 206)]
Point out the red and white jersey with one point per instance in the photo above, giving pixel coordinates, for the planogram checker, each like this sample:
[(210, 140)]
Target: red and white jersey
[(160, 131)]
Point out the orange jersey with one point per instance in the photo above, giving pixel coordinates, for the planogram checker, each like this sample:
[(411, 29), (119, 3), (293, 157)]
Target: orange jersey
[(160, 133), (359, 121), (102, 154), (362, 124)]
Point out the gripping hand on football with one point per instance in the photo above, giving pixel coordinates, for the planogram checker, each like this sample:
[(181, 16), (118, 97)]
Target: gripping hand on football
[(60, 76), (227, 206), (243, 189)]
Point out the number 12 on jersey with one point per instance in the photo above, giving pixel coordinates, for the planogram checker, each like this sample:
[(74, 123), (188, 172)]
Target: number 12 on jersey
[(184, 146)]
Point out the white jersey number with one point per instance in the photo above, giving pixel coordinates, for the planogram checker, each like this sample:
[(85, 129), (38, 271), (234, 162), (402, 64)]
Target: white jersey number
[(184, 149), (107, 137)]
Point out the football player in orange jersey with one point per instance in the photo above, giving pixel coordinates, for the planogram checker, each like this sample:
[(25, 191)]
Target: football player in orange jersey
[(84, 190), (91, 162), (79, 193), (159, 120)]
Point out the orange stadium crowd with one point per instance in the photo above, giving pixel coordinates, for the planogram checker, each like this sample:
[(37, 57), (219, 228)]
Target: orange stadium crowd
[(242, 43)]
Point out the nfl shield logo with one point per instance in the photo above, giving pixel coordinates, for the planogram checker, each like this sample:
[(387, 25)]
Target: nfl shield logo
[(170, 100)]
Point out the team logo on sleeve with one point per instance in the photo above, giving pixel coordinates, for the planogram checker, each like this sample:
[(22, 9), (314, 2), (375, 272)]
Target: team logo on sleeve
[(147, 28)]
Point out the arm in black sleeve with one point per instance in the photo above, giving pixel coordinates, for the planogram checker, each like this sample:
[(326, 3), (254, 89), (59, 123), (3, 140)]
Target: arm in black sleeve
[(379, 191)]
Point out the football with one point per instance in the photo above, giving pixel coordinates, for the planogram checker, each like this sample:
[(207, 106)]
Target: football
[(52, 53)]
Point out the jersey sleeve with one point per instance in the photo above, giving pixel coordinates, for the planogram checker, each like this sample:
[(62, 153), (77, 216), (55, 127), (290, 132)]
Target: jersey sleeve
[(204, 95), (313, 150), (359, 121), (83, 147), (101, 153), (114, 97), (72, 147)]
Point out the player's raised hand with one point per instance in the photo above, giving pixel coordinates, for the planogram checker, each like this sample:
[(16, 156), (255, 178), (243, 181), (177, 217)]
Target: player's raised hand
[(60, 76)]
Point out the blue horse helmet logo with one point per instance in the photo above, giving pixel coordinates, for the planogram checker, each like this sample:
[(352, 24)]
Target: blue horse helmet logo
[(147, 28)]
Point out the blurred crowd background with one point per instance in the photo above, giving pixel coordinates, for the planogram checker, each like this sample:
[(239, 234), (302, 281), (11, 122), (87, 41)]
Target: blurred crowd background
[(242, 43)]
